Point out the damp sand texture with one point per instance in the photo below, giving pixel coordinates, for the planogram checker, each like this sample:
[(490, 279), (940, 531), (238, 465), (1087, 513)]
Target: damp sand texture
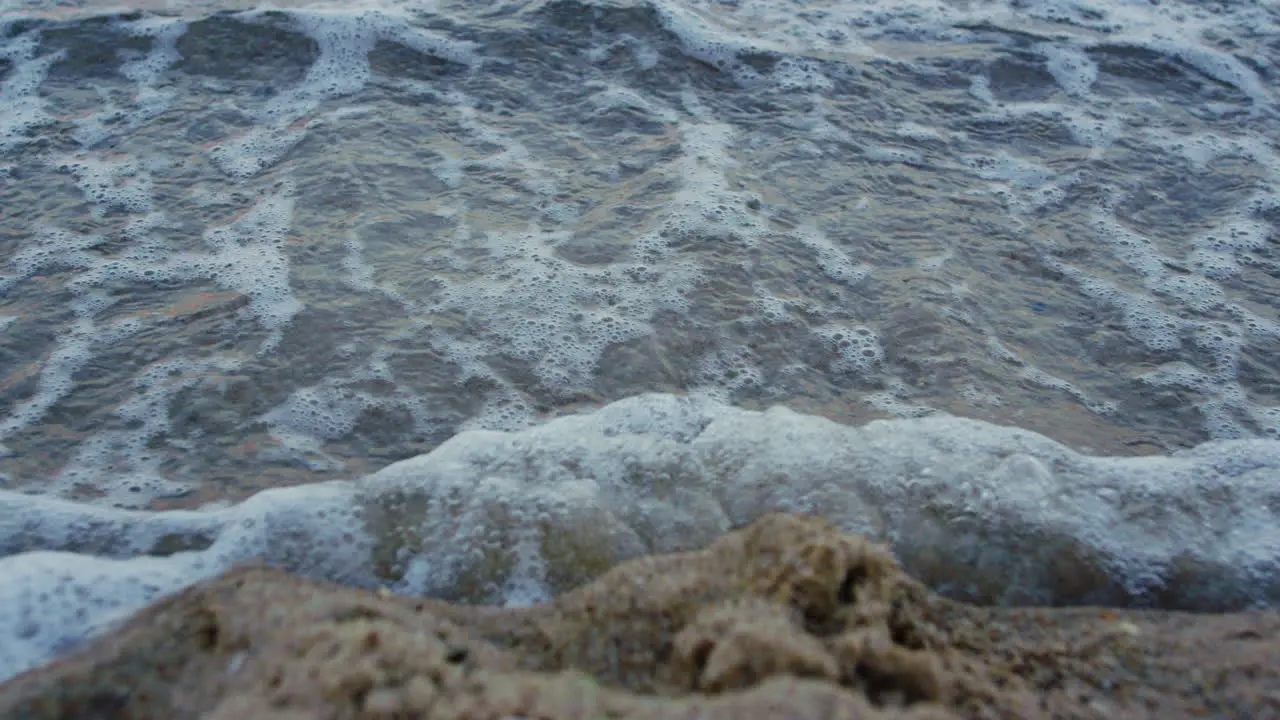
[(786, 618)]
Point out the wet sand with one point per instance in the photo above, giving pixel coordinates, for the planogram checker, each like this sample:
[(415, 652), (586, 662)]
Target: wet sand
[(785, 618)]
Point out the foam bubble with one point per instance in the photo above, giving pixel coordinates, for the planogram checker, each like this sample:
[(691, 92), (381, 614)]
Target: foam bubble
[(1220, 66), (312, 415), (546, 311), (344, 41), (538, 306), (832, 260), (21, 107), (1007, 168), (50, 247), (513, 155), (1186, 303), (612, 97), (1093, 129), (119, 464), (895, 401), (701, 39), (979, 397), (724, 372), (147, 70), (1145, 318), (935, 263), (857, 348), (119, 185), (1217, 253), (72, 352), (817, 123), (887, 154), (770, 309), (52, 601), (247, 256), (1023, 186), (1044, 379), (74, 348), (506, 410), (921, 133), (1071, 67), (799, 74), (718, 34), (359, 272)]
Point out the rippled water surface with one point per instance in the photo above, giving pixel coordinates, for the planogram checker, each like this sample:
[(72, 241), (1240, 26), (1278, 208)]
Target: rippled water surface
[(559, 257), (243, 248)]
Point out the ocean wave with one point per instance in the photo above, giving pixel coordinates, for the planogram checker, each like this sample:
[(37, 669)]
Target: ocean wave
[(980, 512)]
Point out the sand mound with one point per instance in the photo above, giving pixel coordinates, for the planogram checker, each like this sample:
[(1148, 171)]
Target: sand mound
[(786, 618)]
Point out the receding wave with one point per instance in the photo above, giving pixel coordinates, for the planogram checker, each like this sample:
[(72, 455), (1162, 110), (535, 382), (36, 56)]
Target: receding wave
[(980, 512)]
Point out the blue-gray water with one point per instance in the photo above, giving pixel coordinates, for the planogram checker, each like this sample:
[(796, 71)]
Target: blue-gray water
[(245, 248)]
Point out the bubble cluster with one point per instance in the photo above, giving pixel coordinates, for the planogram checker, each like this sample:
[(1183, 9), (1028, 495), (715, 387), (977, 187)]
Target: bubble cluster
[(798, 74), (120, 464), (112, 186), (255, 151), (551, 313), (327, 413), (559, 316), (54, 602), (770, 309), (58, 598), (148, 70), (1217, 254), (1071, 67), (341, 69), (74, 349), (728, 371), (1179, 299), (857, 348), (895, 400), (612, 97), (1043, 379), (721, 34), (152, 95), (886, 154), (832, 260), (248, 256), (21, 107), (506, 410)]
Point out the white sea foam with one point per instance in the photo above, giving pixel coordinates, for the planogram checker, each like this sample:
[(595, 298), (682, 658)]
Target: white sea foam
[(150, 97), (117, 463), (344, 41), (21, 107), (245, 255), (981, 511)]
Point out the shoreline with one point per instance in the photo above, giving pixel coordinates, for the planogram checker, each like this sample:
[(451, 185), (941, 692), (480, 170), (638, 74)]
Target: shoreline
[(786, 617)]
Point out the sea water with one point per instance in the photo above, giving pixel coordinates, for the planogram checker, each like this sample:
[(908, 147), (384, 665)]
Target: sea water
[(477, 299)]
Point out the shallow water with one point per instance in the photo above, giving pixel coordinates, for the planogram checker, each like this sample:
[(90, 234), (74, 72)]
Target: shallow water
[(250, 248)]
